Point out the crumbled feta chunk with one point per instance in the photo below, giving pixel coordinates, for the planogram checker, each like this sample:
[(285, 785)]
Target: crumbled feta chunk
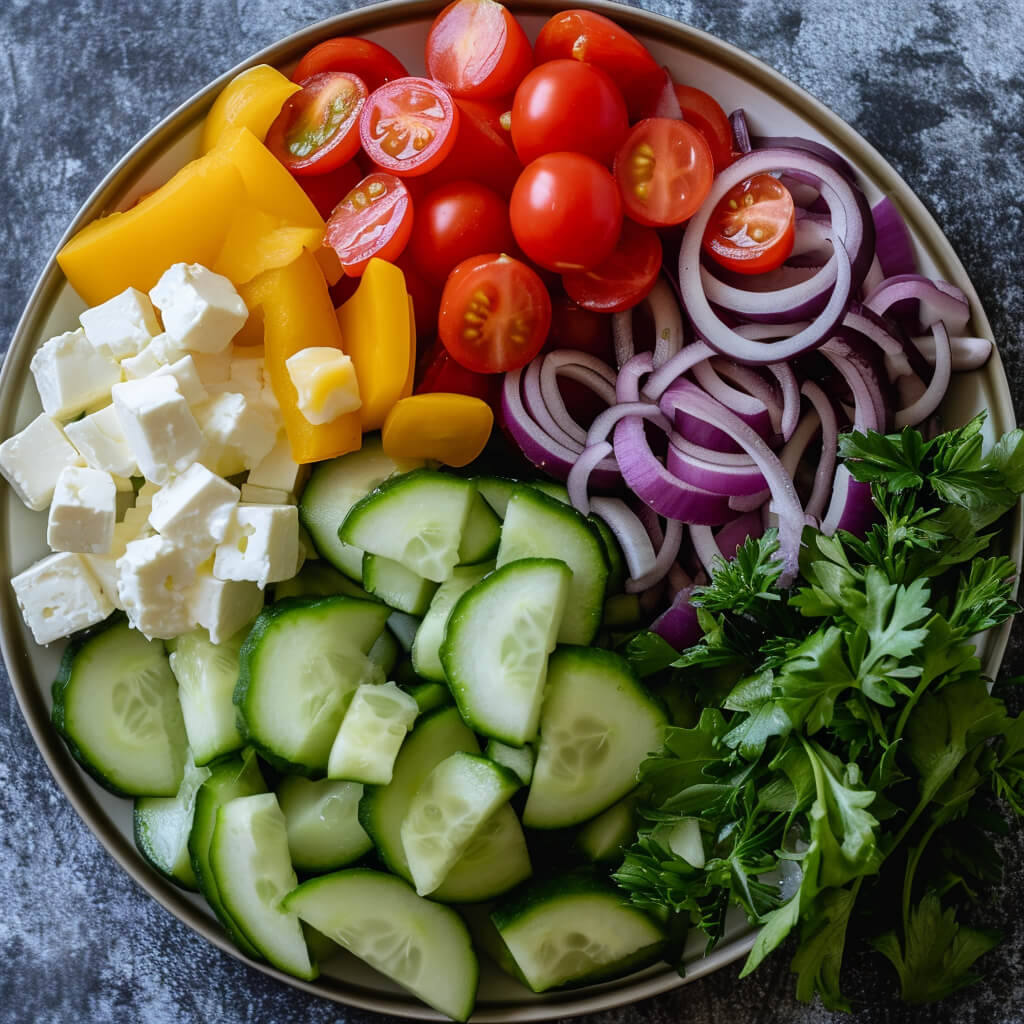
[(71, 375), (59, 596), (234, 422), (104, 568), (161, 430), (325, 380), (201, 310), (194, 509), (215, 370), (32, 460), (246, 370), (101, 440), (161, 351), (190, 384), (223, 607), (278, 470), (83, 511), (123, 325), (154, 575), (262, 545)]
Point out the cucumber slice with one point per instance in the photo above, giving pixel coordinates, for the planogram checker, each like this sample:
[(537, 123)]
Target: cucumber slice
[(322, 821), (374, 727), (253, 871), (605, 838), (448, 810), (115, 702), (481, 535), (334, 487), (161, 826), (575, 929), (298, 669), (318, 579), (238, 775), (426, 648), (537, 526), (496, 491), (421, 945), (385, 652), (207, 674), (597, 726), (396, 586), (430, 696), (496, 646), (613, 552), (404, 627), (518, 760), (416, 519)]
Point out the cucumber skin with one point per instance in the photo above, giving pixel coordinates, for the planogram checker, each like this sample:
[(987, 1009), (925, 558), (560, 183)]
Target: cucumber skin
[(250, 645)]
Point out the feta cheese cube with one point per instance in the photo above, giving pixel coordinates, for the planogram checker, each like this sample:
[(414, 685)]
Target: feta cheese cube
[(194, 509), (161, 430), (246, 371), (71, 375), (253, 494), (58, 596), (101, 440), (83, 511), (184, 371), (147, 492), (234, 422), (223, 607), (104, 568), (262, 545), (123, 325), (201, 310), (161, 351), (325, 380), (154, 575), (214, 370), (278, 470), (33, 459)]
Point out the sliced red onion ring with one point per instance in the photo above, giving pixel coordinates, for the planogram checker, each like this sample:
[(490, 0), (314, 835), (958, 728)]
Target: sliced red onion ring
[(667, 555), (637, 549), (737, 532), (825, 471), (678, 625), (920, 410), (708, 552), (604, 422), (669, 331), (581, 367), (682, 362), (578, 480), (967, 353), (894, 246), (788, 293), (784, 374), (740, 131), (533, 401), (873, 278), (938, 300), (752, 409), (678, 579), (851, 507), (818, 149)]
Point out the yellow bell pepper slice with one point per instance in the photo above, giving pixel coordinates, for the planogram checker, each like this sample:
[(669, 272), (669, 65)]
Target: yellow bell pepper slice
[(258, 241), (375, 333), (450, 428), (297, 313), (410, 377), (252, 98)]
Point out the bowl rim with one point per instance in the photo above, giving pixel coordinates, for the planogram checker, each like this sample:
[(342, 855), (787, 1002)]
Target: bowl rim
[(161, 137)]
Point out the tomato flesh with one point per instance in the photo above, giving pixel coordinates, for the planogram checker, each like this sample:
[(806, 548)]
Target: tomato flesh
[(702, 111), (753, 228), (566, 212), (327, 190), (495, 314), (372, 63), (317, 129), (439, 372), (622, 280), (408, 126), (454, 222), (374, 219), (477, 49), (665, 171)]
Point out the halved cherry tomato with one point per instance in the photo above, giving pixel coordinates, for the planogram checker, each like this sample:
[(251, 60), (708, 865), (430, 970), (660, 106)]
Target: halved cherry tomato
[(595, 39), (457, 221), (564, 105), (752, 229), (665, 170), (374, 219), (476, 48), (623, 279), (372, 63), (437, 371), (317, 130), (495, 314), (408, 126), (572, 326), (327, 190), (566, 212), (702, 111)]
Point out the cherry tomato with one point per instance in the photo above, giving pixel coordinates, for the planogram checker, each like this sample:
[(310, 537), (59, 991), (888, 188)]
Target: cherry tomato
[(408, 126), (595, 39), (568, 106), (372, 63), (317, 129), (437, 371), (572, 326), (623, 279), (566, 212), (476, 48), (426, 297), (703, 112), (455, 222), (495, 314), (327, 190), (665, 170), (751, 230), (374, 219)]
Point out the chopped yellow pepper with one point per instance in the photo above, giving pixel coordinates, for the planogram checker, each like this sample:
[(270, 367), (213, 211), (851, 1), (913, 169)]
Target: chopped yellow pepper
[(253, 98), (376, 333), (297, 313), (450, 428), (258, 241)]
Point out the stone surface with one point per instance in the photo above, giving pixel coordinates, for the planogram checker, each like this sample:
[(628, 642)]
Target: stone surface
[(937, 87)]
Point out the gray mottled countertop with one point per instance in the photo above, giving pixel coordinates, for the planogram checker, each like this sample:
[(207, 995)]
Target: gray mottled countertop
[(937, 87)]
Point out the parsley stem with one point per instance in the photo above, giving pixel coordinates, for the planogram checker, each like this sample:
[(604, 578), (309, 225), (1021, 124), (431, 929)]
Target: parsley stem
[(913, 859)]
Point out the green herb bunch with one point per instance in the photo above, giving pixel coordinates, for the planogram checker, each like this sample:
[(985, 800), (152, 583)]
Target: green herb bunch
[(844, 749)]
